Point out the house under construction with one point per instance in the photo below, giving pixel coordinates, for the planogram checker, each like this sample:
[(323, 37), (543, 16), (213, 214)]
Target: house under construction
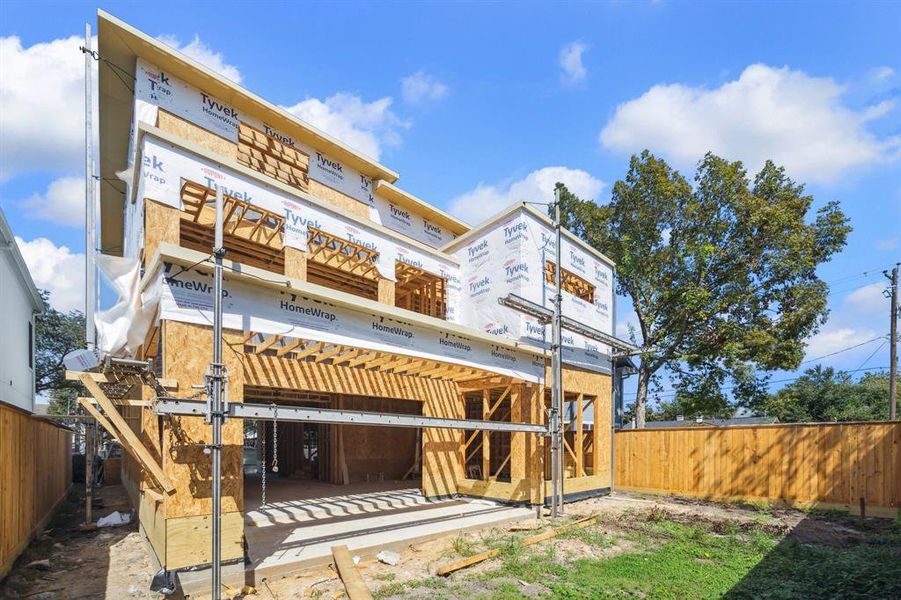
[(375, 343)]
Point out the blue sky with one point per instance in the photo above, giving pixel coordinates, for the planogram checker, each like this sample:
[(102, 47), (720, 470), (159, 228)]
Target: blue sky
[(477, 105)]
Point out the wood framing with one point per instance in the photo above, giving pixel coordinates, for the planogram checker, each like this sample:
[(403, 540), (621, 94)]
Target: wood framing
[(420, 291), (126, 436), (267, 155), (569, 282)]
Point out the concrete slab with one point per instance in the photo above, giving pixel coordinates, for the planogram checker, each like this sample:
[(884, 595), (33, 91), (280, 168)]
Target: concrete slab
[(302, 502), (293, 536)]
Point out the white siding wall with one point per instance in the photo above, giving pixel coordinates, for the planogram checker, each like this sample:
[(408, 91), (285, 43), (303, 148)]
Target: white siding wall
[(16, 374)]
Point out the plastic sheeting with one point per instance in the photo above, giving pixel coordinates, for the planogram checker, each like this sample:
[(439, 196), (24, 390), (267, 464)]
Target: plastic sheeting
[(123, 328)]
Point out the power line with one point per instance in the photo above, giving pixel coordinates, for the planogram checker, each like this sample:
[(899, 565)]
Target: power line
[(878, 348), (672, 393), (881, 337)]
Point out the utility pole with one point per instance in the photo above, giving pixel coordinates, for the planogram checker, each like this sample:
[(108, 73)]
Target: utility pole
[(893, 348), (557, 373), (216, 410), (90, 335)]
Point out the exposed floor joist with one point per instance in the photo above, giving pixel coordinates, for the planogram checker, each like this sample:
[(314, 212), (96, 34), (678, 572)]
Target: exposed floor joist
[(353, 357)]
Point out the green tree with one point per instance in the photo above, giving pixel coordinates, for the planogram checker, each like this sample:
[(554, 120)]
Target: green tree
[(721, 273), (56, 334), (823, 394)]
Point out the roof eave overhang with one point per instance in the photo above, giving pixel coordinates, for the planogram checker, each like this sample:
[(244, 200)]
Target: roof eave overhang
[(526, 207), (403, 198)]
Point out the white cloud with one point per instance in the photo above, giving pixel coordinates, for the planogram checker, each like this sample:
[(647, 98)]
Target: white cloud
[(890, 244), (868, 300), (882, 73), (794, 119), (422, 87), (572, 71), (42, 101), (833, 339), (538, 186), (205, 55), (57, 270), (365, 126), (41, 106), (62, 203)]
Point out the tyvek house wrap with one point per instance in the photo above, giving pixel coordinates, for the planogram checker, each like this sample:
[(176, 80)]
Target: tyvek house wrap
[(156, 89), (163, 168), (186, 295), (509, 257)]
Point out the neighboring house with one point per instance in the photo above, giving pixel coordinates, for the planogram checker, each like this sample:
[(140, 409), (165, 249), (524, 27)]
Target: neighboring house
[(19, 303), (702, 422)]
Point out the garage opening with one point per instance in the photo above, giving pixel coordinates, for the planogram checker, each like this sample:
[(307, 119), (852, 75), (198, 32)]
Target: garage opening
[(328, 484)]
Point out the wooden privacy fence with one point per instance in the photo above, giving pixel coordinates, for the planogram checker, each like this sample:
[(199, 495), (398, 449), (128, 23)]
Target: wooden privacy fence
[(35, 476), (824, 464)]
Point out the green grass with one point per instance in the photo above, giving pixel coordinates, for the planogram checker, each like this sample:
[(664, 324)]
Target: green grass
[(674, 560)]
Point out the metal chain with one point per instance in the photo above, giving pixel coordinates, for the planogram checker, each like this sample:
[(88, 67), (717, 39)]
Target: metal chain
[(274, 438), (263, 459)]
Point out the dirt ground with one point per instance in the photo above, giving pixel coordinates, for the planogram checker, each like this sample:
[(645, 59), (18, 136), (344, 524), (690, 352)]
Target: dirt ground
[(114, 563), (104, 563)]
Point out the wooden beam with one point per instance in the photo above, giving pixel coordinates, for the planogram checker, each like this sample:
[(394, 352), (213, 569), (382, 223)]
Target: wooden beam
[(498, 403), (267, 343), (250, 335), (551, 533), (128, 440), (285, 349), (353, 582), (123, 402), (364, 358), (380, 361), (99, 418), (417, 369), (169, 384), (330, 353), (486, 439), (310, 349), (346, 357), (579, 438), (397, 363)]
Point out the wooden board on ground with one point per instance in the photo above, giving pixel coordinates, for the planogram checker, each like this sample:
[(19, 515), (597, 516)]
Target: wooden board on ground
[(347, 570)]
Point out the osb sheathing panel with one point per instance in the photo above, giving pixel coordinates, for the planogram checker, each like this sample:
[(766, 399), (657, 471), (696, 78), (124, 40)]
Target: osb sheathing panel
[(187, 350), (272, 371), (187, 130), (161, 224), (387, 291), (188, 539), (342, 201), (295, 263), (442, 460), (513, 491)]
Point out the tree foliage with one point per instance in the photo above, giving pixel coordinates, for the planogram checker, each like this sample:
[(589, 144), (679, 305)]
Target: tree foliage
[(823, 394), (721, 271), (56, 334)]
